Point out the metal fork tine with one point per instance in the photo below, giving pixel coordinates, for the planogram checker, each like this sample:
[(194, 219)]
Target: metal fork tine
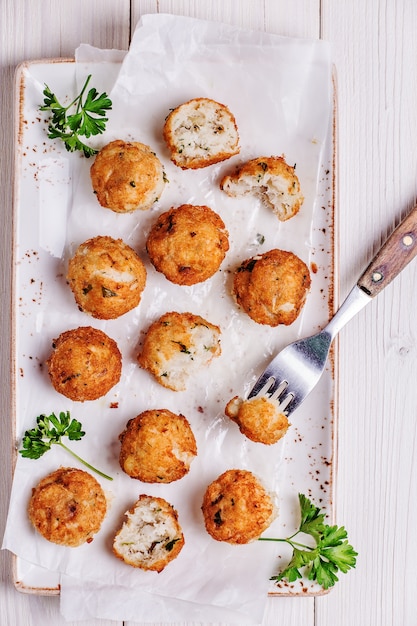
[(286, 402), (279, 391), (262, 385), (268, 382), (266, 387)]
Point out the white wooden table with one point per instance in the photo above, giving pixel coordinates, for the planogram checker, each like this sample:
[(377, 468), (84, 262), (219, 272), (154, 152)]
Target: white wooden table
[(375, 53)]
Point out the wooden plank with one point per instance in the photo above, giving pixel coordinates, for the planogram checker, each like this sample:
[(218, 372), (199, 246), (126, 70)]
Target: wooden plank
[(375, 54), (54, 29)]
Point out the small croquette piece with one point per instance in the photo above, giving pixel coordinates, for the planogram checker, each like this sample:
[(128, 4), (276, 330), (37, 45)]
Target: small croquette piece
[(237, 508), (201, 132), (272, 287), (177, 346), (106, 277), (126, 176), (85, 364), (258, 418), (273, 180), (188, 244), (67, 507), (157, 446), (151, 536)]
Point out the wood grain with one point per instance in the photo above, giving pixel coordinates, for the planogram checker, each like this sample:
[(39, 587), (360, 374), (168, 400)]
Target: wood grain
[(375, 52)]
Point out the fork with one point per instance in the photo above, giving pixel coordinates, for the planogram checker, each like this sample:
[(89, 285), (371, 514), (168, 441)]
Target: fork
[(296, 370)]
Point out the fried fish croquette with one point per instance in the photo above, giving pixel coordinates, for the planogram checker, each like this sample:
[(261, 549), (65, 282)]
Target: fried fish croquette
[(177, 346), (272, 287), (151, 536), (126, 176), (67, 507), (273, 180), (201, 132), (107, 277), (85, 364), (157, 446), (188, 244), (258, 418), (236, 507)]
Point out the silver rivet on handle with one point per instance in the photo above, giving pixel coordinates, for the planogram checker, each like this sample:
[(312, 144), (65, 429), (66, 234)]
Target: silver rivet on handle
[(377, 277), (408, 240)]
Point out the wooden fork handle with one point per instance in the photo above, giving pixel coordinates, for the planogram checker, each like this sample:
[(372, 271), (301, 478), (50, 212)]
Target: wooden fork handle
[(399, 249)]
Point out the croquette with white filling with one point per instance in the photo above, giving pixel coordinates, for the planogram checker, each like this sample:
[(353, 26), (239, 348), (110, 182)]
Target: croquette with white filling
[(157, 446), (151, 536), (107, 277), (270, 178), (178, 346), (258, 418), (237, 508), (85, 363), (126, 176), (272, 287), (201, 132), (67, 507), (188, 244)]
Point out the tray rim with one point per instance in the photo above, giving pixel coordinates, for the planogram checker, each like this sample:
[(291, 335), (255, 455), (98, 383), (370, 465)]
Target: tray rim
[(333, 303)]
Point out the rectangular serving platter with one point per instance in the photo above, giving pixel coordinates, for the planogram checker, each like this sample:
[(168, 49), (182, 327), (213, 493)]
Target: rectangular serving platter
[(309, 452)]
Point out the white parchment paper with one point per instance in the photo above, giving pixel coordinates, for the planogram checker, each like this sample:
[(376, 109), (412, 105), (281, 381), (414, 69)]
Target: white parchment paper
[(279, 90)]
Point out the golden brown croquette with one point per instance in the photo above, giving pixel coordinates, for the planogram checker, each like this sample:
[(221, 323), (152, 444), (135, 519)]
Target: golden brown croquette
[(201, 132), (107, 277), (85, 363), (188, 244), (126, 176), (237, 508), (151, 536), (157, 446), (67, 507), (258, 418), (177, 346), (272, 287), (270, 178)]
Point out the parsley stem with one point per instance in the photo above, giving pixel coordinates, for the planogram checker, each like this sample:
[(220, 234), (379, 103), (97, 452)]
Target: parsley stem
[(94, 469), (288, 540), (79, 98), (271, 539)]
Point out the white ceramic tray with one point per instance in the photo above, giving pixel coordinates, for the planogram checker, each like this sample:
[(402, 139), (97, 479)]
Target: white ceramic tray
[(43, 187)]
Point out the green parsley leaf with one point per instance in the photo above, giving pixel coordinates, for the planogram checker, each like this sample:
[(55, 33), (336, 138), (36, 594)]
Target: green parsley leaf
[(330, 554), (49, 430), (79, 118), (300, 558), (312, 520), (169, 546)]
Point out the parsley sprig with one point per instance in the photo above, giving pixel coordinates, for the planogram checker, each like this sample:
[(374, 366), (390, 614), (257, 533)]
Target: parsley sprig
[(330, 553), (49, 431), (82, 117)]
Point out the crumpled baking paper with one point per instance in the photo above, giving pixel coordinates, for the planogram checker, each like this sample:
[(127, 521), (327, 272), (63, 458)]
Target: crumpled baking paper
[(279, 90)]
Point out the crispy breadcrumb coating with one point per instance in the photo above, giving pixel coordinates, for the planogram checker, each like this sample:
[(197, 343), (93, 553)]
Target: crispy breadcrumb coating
[(157, 446), (67, 507), (188, 244), (272, 287), (273, 180), (177, 346), (107, 277), (85, 363), (237, 508), (126, 176), (258, 418)]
